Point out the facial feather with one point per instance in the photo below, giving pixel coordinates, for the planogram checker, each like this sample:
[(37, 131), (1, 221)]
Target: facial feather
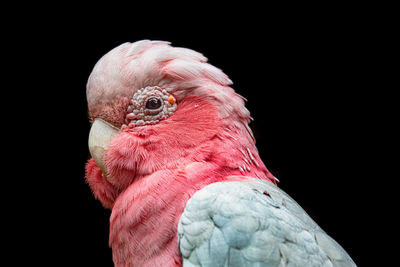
[(207, 108), (154, 165), (143, 150), (130, 67)]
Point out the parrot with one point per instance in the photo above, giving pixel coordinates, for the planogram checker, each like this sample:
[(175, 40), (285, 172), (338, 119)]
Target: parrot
[(174, 159)]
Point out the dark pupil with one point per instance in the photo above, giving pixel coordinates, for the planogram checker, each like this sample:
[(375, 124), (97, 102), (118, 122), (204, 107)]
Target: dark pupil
[(153, 103)]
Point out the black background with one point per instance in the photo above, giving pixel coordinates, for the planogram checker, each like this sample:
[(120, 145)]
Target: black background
[(307, 79)]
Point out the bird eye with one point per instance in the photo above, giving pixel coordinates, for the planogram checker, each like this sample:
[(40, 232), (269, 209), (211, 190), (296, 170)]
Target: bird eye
[(153, 103), (149, 105)]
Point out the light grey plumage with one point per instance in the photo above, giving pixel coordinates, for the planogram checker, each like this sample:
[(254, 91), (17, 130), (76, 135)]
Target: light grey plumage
[(237, 224)]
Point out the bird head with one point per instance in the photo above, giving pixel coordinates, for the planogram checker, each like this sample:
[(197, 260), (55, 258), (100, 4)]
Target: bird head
[(154, 106)]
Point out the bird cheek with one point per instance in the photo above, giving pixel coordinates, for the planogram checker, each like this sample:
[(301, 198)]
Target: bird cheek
[(122, 158)]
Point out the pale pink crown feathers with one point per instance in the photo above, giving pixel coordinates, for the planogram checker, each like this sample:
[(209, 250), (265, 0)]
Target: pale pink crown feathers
[(180, 71)]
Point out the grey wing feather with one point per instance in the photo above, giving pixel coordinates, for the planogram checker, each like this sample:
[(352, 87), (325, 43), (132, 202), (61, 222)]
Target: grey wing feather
[(252, 224)]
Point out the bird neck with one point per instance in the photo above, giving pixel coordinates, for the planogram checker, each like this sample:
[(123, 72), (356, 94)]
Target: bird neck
[(144, 219)]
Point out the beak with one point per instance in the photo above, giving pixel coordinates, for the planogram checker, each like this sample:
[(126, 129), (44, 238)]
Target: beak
[(100, 135)]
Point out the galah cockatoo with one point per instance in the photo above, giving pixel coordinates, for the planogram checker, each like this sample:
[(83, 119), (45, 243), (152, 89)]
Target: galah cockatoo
[(174, 159)]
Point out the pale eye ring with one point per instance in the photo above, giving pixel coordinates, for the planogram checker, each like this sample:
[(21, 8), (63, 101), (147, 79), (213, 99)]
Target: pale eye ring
[(153, 103), (149, 105)]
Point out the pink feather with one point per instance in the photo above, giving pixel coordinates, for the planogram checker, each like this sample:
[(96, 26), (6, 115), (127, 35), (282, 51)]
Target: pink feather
[(153, 170)]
